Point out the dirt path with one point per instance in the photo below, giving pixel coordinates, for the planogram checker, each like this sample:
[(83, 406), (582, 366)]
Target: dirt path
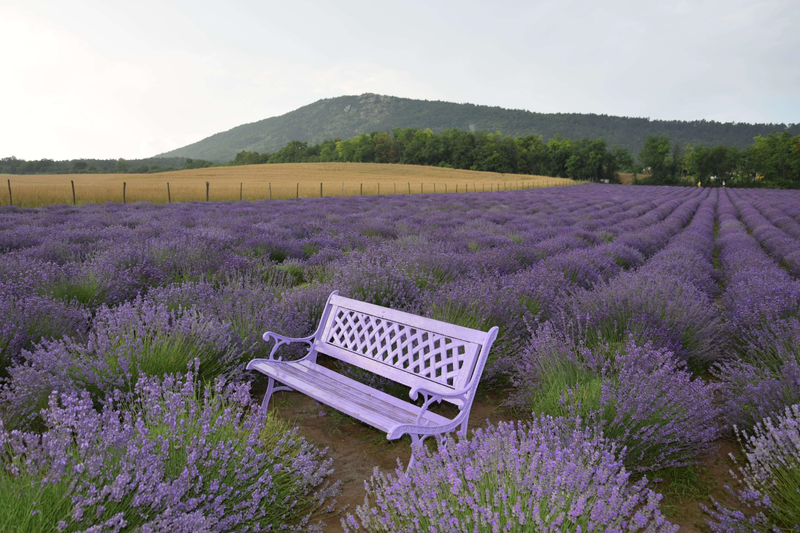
[(357, 449)]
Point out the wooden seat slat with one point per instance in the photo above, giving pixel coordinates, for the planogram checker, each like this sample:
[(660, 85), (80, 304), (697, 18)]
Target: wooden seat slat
[(355, 399)]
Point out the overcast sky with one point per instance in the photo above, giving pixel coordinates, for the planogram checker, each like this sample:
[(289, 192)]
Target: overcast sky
[(110, 79)]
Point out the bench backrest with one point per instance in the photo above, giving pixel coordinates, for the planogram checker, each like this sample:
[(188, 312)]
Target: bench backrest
[(406, 348)]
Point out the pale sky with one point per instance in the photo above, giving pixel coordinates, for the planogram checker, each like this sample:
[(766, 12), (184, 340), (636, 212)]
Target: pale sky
[(130, 79)]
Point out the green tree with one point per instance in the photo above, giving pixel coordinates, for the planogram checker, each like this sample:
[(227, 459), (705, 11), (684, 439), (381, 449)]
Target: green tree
[(559, 151), (678, 161), (654, 156), (776, 157), (293, 152), (623, 160)]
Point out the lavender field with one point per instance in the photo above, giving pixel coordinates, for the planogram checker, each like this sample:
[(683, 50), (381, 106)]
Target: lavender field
[(639, 328)]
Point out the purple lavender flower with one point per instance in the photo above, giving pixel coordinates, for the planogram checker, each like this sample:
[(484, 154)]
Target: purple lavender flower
[(642, 398), (654, 307), (538, 476), (137, 338), (32, 319), (172, 458), (769, 481)]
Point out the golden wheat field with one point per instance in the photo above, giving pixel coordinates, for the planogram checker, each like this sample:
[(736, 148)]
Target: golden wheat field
[(260, 182)]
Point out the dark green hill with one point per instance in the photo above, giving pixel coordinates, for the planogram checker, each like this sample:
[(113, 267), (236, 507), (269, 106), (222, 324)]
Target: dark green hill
[(347, 116)]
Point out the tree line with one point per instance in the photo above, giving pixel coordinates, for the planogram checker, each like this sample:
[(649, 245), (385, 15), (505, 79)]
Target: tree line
[(771, 161), (12, 165), (586, 159)]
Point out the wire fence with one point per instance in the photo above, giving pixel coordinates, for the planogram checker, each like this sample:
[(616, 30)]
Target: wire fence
[(25, 194)]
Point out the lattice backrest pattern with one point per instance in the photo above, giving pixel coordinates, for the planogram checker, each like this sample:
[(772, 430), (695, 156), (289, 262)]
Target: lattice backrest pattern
[(414, 350)]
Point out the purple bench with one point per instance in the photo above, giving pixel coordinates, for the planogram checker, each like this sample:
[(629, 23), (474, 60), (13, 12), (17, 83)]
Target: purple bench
[(439, 361)]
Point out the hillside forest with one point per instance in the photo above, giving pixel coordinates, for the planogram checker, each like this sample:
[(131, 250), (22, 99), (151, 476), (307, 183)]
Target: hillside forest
[(345, 117), (772, 161)]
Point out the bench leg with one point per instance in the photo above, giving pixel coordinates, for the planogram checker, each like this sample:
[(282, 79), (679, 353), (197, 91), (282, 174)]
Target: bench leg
[(270, 389), (416, 444), (416, 441)]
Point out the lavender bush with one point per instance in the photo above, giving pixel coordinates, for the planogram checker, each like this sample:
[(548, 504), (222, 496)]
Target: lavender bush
[(642, 398), (769, 481), (31, 319), (137, 338), (751, 392), (652, 306), (524, 477), (172, 459)]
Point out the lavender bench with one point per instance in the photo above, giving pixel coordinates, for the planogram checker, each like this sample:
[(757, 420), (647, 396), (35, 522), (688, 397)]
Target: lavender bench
[(438, 360)]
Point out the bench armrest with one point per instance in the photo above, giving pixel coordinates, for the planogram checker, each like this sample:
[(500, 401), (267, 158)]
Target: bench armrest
[(280, 340), (431, 397), (415, 391)]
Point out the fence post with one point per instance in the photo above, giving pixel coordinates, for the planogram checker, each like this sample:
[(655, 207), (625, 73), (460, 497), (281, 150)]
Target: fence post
[(320, 190), (379, 188), (343, 189), (241, 186), (420, 188), (297, 192), (434, 187), (395, 188), (10, 199), (124, 185), (169, 196), (206, 191), (73, 191), (409, 187), (362, 190), (270, 190)]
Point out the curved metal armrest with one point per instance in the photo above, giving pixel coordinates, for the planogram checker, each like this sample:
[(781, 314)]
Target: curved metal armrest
[(280, 340), (431, 397), (425, 392)]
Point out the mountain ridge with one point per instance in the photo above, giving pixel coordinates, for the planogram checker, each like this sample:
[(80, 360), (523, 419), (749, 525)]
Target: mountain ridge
[(347, 116)]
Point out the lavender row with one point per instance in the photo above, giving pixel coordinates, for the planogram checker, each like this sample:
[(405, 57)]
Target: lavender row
[(761, 302), (661, 302), (616, 353), (203, 282), (779, 245), (58, 291), (787, 201), (219, 282), (777, 209)]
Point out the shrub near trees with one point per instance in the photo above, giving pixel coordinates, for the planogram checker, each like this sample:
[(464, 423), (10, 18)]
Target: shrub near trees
[(772, 161)]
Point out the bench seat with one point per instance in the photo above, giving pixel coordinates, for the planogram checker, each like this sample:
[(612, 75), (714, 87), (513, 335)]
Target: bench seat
[(355, 399)]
